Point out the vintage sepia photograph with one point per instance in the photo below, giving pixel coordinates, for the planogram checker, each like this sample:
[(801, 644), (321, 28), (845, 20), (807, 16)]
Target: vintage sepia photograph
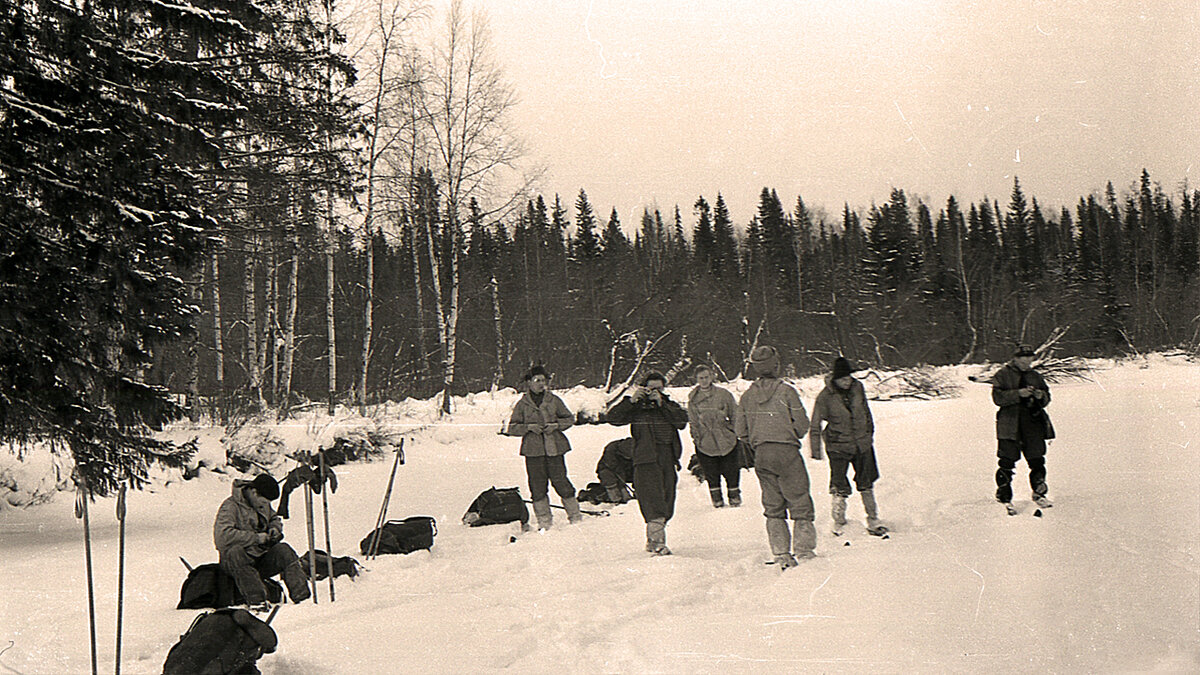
[(599, 336)]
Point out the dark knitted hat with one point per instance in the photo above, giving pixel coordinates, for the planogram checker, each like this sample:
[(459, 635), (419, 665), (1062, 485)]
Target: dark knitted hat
[(266, 486), (764, 361), (654, 375), (1024, 350), (535, 371), (841, 368)]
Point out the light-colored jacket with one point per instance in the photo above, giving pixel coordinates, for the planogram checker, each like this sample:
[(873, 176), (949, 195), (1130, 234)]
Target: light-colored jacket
[(848, 429), (711, 414), (238, 523), (771, 412), (552, 414)]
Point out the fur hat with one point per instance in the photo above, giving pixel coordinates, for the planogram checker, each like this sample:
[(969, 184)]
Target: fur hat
[(841, 368), (266, 486), (764, 360), (535, 371), (1024, 350)]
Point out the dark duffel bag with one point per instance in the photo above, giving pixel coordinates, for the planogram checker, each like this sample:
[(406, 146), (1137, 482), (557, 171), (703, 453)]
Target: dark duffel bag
[(209, 586), (402, 536), (343, 566), (222, 641), (496, 506)]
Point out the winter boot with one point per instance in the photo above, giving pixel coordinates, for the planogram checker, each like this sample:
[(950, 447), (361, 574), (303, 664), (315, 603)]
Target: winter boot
[(571, 504), (779, 536), (297, 582), (804, 539), (656, 537), (872, 509), (735, 497), (541, 509), (1040, 498), (838, 510), (717, 500), (616, 494)]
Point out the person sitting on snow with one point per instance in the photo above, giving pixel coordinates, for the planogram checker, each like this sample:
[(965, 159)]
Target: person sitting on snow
[(615, 470), (248, 535)]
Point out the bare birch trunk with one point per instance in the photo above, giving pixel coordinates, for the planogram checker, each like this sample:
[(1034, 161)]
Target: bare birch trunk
[(331, 332), (289, 328), (499, 375), (218, 330), (452, 323), (435, 274), (251, 311), (193, 379), (962, 276), (368, 311)]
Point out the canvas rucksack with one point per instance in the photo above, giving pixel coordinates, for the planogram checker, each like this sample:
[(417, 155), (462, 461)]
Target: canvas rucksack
[(221, 641), (345, 566), (402, 536), (495, 506), (209, 586)]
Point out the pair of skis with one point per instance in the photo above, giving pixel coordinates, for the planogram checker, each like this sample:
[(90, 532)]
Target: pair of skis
[(1037, 513)]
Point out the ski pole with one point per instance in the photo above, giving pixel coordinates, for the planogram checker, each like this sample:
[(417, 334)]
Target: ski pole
[(81, 511), (185, 563), (325, 519), (373, 549), (120, 573), (312, 554), (587, 511)]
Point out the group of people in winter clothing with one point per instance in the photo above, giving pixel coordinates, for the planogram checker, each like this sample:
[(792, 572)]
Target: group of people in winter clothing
[(769, 423)]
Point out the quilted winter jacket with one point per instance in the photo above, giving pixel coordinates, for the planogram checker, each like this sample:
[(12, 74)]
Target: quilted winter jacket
[(848, 430), (1005, 385), (710, 414), (555, 417), (771, 412), (238, 523)]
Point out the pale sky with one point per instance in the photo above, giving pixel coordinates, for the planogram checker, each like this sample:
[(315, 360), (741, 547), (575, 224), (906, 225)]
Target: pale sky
[(656, 103)]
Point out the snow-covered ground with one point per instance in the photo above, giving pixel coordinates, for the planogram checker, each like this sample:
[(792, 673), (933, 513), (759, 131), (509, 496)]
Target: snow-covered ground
[(1108, 580)]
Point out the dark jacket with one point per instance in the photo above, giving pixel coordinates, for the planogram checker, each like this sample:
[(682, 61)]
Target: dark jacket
[(617, 460), (1018, 414), (554, 417), (770, 411), (849, 427), (710, 414), (655, 428), (238, 523)]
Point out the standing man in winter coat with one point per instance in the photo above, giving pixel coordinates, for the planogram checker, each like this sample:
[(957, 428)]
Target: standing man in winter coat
[(773, 420), (848, 438), (1022, 425), (655, 421), (248, 535), (539, 419), (711, 410)]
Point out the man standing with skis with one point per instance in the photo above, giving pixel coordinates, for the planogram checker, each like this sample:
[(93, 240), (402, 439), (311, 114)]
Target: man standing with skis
[(773, 420), (248, 535), (1022, 425)]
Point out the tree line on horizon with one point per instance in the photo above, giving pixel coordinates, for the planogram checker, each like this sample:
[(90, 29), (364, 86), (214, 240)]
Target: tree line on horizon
[(900, 284), (234, 206)]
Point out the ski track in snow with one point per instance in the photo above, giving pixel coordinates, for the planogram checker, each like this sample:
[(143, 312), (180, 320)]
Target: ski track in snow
[(1107, 581)]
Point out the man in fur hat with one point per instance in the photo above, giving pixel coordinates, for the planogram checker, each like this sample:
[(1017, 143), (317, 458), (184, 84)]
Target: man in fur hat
[(772, 419), (248, 535), (848, 436)]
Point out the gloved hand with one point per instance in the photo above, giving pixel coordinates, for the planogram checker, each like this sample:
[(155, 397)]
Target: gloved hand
[(274, 535), (534, 428)]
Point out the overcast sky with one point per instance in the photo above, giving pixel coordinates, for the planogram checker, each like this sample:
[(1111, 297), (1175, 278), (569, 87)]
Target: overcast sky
[(657, 102)]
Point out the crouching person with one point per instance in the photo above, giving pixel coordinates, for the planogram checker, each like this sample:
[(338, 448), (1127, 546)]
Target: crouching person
[(249, 538)]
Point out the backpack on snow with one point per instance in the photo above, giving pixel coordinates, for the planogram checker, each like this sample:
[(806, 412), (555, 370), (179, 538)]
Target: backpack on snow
[(496, 506), (401, 536), (208, 586), (345, 566), (221, 641)]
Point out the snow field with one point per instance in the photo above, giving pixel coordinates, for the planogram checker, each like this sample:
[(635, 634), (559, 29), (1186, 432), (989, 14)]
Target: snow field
[(1107, 581)]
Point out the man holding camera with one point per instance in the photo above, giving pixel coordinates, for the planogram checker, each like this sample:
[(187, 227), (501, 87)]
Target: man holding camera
[(248, 535), (1022, 425), (654, 421)]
